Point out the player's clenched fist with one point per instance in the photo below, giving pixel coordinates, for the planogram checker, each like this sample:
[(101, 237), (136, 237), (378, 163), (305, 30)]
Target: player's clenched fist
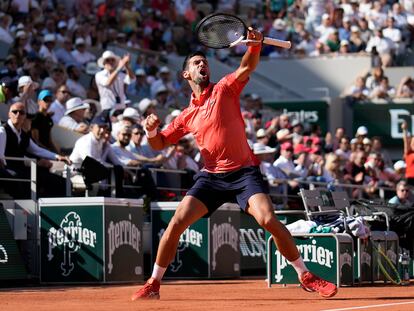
[(152, 122)]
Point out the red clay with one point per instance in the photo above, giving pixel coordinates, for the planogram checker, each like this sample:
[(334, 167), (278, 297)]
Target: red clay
[(202, 295)]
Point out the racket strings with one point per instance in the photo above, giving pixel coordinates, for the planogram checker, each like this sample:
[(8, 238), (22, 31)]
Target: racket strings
[(219, 32)]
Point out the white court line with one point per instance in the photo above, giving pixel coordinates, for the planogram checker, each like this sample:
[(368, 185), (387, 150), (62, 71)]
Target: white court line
[(372, 306)]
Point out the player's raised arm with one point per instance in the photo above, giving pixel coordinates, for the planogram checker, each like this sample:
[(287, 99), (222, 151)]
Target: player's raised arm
[(252, 56)]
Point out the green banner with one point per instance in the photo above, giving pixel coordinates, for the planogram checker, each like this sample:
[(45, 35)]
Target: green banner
[(384, 120), (191, 258), (320, 256), (311, 112), (71, 243), (11, 263), (123, 243)]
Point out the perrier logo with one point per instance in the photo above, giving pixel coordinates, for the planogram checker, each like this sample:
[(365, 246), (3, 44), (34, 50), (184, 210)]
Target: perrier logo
[(70, 236), (310, 253)]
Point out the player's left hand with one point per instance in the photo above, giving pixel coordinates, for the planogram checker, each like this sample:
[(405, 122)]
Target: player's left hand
[(253, 34)]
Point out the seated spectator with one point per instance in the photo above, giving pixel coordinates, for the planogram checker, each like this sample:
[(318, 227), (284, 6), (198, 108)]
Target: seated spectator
[(343, 151), (129, 117), (73, 84), (8, 90), (383, 91), (42, 122), (11, 68), (403, 195), (57, 77), (399, 170), (74, 118), (405, 88), (394, 34), (95, 145), (141, 88), (357, 44), (64, 54), (285, 160), (146, 107), (47, 49), (26, 88), (16, 142), (375, 77), (58, 108), (383, 46), (358, 91), (80, 53)]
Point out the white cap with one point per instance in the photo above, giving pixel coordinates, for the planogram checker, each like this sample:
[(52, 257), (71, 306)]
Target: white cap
[(25, 80), (325, 16), (131, 113), (279, 24), (164, 69), (346, 19), (74, 104), (366, 141), (50, 37), (160, 89), (353, 141), (62, 24), (140, 72), (354, 28), (362, 130), (399, 165), (260, 133), (106, 55), (254, 96), (79, 41), (144, 104), (20, 34), (344, 42), (259, 148)]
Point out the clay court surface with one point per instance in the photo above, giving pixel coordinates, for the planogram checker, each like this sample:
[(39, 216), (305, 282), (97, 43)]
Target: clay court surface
[(205, 295)]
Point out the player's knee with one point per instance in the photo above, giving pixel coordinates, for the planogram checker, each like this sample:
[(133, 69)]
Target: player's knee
[(265, 221)]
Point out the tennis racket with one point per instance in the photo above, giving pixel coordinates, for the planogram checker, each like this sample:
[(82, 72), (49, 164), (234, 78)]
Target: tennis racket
[(221, 30), (386, 265)]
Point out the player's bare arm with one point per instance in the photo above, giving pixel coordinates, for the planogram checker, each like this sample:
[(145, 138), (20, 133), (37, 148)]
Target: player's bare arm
[(156, 141), (251, 57)]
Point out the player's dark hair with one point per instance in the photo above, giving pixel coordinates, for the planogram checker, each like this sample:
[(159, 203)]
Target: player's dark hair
[(189, 56)]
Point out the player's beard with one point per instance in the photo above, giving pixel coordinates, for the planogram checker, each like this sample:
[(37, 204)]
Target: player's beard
[(202, 81)]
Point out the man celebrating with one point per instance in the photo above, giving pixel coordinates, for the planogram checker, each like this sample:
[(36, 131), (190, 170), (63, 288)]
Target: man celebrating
[(231, 170)]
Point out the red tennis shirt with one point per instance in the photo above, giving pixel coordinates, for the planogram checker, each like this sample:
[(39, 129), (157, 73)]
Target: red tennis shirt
[(216, 122)]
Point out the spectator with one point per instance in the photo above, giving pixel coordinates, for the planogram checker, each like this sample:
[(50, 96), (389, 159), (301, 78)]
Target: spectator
[(111, 80), (146, 107), (129, 117), (285, 160), (402, 197), (377, 147), (358, 91), (16, 142), (64, 54), (47, 49), (57, 77), (74, 118), (81, 55), (58, 108), (374, 79), (399, 169), (8, 91), (344, 47), (405, 88), (26, 93), (42, 122), (384, 90), (383, 46), (357, 45), (11, 69), (141, 88), (5, 22), (164, 79), (394, 34), (75, 88), (355, 172), (325, 28), (19, 47)]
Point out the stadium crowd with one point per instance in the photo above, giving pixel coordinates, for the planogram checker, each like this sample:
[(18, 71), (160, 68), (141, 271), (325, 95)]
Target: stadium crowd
[(53, 45)]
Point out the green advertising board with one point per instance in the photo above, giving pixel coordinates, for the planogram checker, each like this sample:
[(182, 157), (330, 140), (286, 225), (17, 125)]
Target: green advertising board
[(89, 240), (311, 112), (384, 120), (11, 263), (207, 248), (327, 255)]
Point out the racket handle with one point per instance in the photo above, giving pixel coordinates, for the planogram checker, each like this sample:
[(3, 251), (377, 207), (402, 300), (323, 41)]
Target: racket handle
[(279, 43)]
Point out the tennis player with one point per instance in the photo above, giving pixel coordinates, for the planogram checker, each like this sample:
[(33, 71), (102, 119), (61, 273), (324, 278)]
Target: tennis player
[(231, 171)]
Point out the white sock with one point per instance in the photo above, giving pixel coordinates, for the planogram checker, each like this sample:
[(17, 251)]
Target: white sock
[(299, 266), (158, 272)]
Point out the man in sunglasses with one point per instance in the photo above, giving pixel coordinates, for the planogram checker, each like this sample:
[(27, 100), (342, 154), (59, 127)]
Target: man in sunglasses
[(16, 142)]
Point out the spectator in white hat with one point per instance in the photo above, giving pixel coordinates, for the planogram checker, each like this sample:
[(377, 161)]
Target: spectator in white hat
[(27, 93), (47, 49), (81, 54), (146, 106), (111, 80), (62, 28), (74, 118), (164, 79), (129, 117), (399, 169)]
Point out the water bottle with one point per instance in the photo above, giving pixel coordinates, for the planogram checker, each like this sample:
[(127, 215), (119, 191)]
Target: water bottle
[(404, 262)]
